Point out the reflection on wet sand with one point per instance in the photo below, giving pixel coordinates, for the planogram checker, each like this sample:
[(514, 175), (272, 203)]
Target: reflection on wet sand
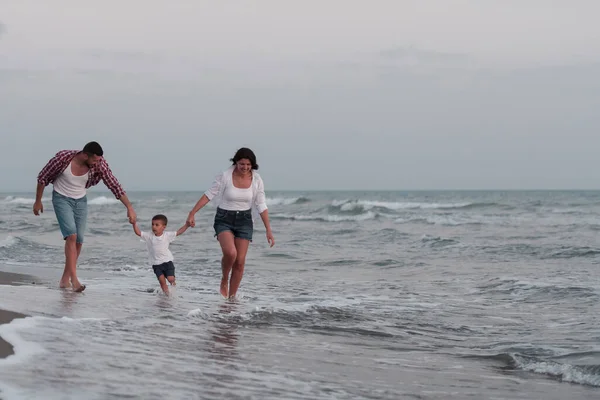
[(224, 335)]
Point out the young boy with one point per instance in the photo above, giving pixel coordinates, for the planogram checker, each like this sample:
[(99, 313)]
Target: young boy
[(158, 242)]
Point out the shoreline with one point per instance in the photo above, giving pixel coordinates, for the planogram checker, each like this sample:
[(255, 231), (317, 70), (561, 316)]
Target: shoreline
[(9, 278)]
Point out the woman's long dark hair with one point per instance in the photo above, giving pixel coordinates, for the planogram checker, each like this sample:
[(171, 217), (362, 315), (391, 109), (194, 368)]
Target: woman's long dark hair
[(246, 153)]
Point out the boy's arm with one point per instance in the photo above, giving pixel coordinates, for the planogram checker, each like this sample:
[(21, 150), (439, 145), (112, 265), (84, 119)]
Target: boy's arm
[(183, 228), (136, 229)]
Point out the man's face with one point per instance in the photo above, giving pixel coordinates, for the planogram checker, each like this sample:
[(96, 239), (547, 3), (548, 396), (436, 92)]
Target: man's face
[(93, 159)]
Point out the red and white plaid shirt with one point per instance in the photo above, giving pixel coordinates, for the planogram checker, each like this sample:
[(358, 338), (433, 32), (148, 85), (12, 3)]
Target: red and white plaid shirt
[(98, 171)]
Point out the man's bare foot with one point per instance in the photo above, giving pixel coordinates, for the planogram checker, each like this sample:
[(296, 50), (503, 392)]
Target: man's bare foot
[(224, 287)]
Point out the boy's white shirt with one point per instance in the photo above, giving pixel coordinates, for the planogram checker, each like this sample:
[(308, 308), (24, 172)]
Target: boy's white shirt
[(221, 181), (158, 246)]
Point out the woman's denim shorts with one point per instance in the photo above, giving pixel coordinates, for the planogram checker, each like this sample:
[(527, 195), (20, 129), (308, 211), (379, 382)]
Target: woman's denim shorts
[(237, 222)]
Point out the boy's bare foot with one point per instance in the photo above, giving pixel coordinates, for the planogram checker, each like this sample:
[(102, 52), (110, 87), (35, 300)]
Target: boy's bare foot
[(224, 287)]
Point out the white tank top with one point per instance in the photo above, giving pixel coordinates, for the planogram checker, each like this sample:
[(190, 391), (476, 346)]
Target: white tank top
[(70, 185), (236, 199)]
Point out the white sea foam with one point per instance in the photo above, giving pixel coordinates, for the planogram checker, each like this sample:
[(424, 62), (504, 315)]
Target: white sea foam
[(103, 201), (281, 201), (8, 241), (349, 205), (328, 218), (23, 350), (566, 372), (23, 200)]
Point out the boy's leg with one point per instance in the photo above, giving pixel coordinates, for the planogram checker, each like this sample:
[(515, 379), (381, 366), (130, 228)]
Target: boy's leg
[(159, 271), (163, 284), (170, 272)]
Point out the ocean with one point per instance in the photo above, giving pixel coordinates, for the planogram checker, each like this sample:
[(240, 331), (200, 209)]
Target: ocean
[(366, 295)]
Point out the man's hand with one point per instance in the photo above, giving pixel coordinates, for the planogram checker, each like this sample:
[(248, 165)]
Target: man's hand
[(38, 208), (131, 215)]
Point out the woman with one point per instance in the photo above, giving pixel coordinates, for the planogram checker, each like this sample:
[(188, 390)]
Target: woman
[(239, 193)]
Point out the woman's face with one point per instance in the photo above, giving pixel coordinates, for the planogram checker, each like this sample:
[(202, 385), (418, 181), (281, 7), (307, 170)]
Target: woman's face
[(244, 166)]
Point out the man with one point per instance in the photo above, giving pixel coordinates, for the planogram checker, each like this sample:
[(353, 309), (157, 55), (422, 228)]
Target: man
[(71, 172)]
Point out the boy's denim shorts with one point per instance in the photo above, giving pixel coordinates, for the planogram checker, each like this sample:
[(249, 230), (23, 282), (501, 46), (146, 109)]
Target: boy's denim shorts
[(71, 215), (237, 222)]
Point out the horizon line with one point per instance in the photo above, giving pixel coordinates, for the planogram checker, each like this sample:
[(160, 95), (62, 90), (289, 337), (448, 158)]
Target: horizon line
[(352, 190)]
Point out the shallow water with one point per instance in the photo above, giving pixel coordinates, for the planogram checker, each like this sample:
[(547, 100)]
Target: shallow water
[(390, 295)]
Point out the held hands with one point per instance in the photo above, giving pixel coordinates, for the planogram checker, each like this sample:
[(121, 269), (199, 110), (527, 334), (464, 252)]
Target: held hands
[(191, 220), (270, 238), (38, 208), (131, 215)]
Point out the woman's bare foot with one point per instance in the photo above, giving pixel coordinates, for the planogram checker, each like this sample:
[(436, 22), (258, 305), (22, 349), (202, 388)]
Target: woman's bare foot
[(224, 287), (64, 285), (78, 287)]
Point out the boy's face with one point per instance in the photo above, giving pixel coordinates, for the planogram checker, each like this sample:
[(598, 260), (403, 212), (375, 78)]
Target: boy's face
[(158, 227)]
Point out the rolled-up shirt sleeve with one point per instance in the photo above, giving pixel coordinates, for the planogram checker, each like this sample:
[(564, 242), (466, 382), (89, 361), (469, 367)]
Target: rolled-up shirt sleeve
[(111, 181), (261, 199), (54, 167), (214, 189)]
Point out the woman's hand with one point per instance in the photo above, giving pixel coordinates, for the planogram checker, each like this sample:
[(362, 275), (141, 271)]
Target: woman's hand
[(270, 238), (191, 220)]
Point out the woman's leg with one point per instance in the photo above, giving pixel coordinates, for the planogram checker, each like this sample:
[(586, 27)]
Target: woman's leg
[(241, 246), (228, 247)]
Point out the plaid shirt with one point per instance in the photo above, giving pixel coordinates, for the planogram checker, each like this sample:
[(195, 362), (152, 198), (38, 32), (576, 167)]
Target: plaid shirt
[(100, 170)]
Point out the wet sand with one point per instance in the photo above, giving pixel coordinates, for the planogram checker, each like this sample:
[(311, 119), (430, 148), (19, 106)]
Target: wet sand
[(9, 278)]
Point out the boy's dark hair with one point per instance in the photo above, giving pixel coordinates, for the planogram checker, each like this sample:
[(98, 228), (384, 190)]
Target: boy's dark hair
[(246, 153), (161, 218), (93, 148)]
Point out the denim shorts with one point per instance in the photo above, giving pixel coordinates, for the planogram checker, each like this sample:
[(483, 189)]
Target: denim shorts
[(71, 215), (237, 222), (167, 269)]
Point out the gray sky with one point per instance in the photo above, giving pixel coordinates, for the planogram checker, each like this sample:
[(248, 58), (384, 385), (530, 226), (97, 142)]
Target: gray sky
[(331, 94)]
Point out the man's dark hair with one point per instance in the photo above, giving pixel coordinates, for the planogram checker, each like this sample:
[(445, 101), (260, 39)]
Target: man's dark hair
[(160, 217), (93, 148)]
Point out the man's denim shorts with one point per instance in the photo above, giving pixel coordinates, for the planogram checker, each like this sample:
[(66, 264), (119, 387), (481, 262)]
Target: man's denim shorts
[(71, 215), (237, 222)]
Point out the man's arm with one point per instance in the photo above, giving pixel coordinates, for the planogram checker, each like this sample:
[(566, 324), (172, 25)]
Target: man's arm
[(131, 215), (38, 207), (183, 228), (115, 187), (48, 174)]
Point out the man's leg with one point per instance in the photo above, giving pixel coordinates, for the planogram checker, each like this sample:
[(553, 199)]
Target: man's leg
[(65, 215), (80, 216), (71, 261)]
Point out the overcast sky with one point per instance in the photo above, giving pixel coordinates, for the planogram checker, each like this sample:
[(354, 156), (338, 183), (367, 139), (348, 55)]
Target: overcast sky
[(331, 94)]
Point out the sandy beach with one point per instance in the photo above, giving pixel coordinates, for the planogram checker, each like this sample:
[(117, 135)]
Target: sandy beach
[(9, 278)]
